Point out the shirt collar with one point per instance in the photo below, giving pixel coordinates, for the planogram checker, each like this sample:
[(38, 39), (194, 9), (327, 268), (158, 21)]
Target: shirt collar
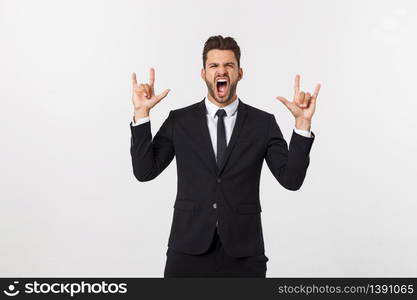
[(213, 108)]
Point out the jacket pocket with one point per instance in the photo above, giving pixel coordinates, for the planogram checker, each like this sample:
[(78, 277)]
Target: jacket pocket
[(184, 205), (248, 208)]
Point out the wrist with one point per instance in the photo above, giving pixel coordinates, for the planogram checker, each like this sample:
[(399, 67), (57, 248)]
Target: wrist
[(303, 124), (140, 113)]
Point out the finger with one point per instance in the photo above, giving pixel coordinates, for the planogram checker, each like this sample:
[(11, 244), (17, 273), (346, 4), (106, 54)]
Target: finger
[(284, 101), (163, 95), (300, 98), (142, 89), (151, 77), (316, 91), (134, 82), (307, 98), (148, 90), (296, 85), (137, 90), (315, 94)]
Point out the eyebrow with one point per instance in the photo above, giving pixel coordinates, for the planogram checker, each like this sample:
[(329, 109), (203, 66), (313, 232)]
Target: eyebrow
[(226, 63)]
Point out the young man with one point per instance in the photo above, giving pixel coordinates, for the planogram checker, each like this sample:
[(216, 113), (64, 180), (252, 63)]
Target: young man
[(220, 144)]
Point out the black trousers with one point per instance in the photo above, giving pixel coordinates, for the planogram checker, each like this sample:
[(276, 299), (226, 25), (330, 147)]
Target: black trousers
[(214, 263)]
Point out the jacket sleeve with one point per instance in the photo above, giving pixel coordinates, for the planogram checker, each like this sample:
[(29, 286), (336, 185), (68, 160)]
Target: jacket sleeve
[(289, 167), (151, 157)]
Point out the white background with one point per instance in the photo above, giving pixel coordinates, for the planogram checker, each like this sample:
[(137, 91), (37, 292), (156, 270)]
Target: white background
[(70, 205)]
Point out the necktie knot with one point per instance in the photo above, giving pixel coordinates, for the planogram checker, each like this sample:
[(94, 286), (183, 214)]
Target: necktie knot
[(220, 113)]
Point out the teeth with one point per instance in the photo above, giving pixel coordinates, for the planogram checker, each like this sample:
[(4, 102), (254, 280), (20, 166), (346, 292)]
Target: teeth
[(222, 80)]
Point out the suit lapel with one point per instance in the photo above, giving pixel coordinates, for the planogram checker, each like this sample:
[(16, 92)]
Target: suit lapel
[(240, 119), (202, 137)]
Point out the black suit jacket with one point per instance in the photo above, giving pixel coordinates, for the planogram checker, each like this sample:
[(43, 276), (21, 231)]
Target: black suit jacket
[(233, 187)]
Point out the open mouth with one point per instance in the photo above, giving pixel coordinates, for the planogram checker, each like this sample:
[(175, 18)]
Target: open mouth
[(222, 85)]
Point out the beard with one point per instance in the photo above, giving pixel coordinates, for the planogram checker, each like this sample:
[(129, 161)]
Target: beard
[(227, 98)]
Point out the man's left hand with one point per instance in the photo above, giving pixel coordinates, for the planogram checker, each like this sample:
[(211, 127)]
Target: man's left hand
[(303, 105)]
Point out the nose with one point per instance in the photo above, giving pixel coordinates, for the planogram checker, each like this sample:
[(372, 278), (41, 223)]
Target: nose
[(221, 71)]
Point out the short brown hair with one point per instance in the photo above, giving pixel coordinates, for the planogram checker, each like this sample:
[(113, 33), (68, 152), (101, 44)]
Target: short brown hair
[(221, 43)]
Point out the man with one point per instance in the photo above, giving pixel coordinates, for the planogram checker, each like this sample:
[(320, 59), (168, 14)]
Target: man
[(219, 144)]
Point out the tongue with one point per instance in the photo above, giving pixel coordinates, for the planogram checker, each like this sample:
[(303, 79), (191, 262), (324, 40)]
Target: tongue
[(222, 90)]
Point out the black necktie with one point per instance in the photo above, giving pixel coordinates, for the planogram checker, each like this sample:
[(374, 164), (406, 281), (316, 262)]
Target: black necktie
[(221, 136)]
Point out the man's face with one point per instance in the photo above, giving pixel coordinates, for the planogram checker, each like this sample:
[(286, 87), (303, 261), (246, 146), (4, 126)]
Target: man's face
[(221, 75)]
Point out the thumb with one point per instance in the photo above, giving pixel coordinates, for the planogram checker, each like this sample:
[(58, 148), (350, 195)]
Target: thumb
[(163, 94), (284, 101)]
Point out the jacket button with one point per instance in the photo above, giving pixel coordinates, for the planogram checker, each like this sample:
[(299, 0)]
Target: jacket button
[(214, 205), (219, 180)]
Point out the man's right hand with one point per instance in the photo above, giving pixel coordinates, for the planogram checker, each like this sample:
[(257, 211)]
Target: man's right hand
[(143, 96)]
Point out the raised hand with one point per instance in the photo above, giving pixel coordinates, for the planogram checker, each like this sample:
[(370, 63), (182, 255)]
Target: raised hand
[(304, 104), (143, 96)]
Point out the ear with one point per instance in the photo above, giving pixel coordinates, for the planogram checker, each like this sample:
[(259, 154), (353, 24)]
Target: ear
[(203, 73), (240, 73)]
